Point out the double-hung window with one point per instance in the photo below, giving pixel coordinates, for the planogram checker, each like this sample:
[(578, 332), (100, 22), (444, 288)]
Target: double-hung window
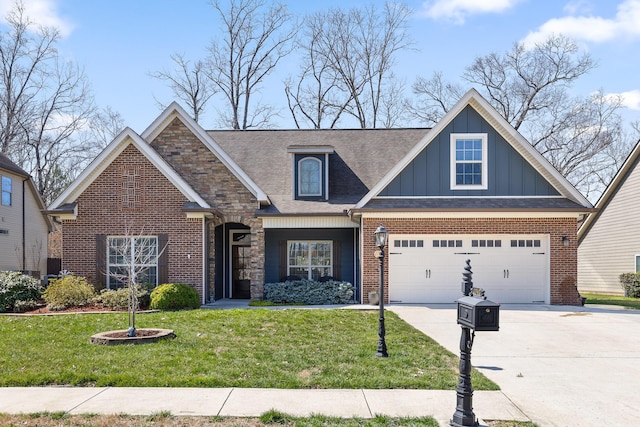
[(310, 259), (6, 191), (132, 256), (469, 161)]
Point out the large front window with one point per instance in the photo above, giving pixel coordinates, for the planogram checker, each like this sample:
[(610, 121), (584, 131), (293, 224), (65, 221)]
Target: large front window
[(310, 177), (132, 257), (310, 259), (6, 191), (468, 161)]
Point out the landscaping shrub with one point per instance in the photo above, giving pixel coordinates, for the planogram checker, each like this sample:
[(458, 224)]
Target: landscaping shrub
[(118, 299), (174, 296), (69, 291), (630, 282), (18, 292), (309, 292)]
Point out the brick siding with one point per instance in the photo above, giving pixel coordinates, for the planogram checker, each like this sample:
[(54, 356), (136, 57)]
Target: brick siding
[(100, 211), (563, 260)]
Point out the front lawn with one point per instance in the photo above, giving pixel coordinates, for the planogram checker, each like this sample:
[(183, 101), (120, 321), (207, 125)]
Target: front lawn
[(290, 348), (612, 300)]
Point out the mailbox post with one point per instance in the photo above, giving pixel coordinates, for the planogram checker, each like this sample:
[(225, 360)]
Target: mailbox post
[(474, 314)]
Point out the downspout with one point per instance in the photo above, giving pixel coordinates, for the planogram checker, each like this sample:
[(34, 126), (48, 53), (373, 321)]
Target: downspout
[(205, 284), (24, 228)]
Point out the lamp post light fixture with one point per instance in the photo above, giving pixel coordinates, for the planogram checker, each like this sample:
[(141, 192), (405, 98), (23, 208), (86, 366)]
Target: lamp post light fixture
[(381, 234)]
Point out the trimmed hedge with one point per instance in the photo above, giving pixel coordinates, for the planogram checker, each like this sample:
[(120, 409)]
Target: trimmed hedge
[(69, 291), (630, 282), (174, 296), (118, 299), (18, 292), (309, 292)]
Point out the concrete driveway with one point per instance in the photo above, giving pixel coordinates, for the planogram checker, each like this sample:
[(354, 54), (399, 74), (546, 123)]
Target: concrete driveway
[(560, 365)]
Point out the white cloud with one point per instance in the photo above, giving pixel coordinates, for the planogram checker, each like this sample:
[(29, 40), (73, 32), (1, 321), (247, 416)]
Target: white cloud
[(630, 99), (458, 10), (40, 12), (588, 28)]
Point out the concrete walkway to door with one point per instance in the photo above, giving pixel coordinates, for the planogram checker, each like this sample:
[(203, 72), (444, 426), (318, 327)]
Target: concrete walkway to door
[(559, 365)]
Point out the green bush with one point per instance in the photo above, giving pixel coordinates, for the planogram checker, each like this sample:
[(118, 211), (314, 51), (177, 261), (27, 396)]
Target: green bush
[(174, 296), (630, 282), (16, 289), (309, 292), (69, 291), (118, 299)]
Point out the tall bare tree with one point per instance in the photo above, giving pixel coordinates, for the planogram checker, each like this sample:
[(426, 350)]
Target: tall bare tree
[(348, 61), (189, 82), (256, 35), (530, 88), (43, 103)]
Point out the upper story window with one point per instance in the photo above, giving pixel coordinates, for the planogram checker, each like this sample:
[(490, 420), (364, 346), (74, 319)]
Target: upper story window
[(309, 177), (469, 161), (6, 191)]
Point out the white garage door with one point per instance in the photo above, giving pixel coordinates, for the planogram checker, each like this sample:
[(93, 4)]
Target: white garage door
[(428, 268)]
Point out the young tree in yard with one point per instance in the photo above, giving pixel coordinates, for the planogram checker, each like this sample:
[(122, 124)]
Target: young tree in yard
[(189, 83), (529, 87), (133, 261), (348, 61), (256, 36), (43, 102)]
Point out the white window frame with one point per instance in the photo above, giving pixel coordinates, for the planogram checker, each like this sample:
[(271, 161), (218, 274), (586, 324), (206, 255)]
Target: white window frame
[(320, 182), (484, 162), (140, 267), (309, 265), (4, 191)]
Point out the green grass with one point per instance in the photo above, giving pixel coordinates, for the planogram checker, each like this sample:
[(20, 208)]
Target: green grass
[(612, 300), (290, 348)]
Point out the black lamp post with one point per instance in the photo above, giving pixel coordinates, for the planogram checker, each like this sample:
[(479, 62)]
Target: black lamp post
[(381, 241)]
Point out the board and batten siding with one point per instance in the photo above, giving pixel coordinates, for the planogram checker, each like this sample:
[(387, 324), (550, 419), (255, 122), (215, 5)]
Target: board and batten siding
[(36, 230), (609, 248), (508, 173)]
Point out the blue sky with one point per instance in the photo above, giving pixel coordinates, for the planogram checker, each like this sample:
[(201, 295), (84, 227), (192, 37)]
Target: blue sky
[(119, 42)]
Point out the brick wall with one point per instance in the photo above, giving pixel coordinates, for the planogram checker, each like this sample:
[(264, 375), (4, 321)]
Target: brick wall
[(101, 211), (563, 260), (218, 186)]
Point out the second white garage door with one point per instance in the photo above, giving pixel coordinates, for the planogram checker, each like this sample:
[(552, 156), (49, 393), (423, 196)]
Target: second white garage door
[(428, 268)]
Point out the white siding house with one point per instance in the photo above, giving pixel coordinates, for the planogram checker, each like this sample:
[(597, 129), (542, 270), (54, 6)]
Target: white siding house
[(24, 228), (609, 239)]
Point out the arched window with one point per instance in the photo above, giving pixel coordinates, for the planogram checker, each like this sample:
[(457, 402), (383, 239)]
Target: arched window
[(309, 177)]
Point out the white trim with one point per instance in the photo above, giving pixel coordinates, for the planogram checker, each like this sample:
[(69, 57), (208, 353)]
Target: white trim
[(453, 161), (229, 261), (109, 154), (174, 110), (308, 222), (310, 149), (468, 197), (326, 176), (310, 265), (474, 214), (517, 141), (299, 177)]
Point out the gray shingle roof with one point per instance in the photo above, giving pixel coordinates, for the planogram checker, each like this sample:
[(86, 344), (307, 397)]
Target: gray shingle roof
[(361, 158), (476, 204), (7, 164)]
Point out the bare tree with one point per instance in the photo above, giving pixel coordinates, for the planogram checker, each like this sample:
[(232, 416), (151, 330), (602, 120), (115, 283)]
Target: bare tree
[(43, 103), (530, 87), (134, 255), (257, 35), (348, 66), (189, 82), (104, 126)]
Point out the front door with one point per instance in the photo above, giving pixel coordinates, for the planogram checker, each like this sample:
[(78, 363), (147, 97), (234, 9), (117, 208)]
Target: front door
[(240, 268)]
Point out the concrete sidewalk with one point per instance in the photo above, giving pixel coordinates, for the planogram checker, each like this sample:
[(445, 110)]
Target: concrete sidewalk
[(251, 402)]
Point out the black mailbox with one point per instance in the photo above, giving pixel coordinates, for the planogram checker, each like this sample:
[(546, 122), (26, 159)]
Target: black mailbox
[(478, 314)]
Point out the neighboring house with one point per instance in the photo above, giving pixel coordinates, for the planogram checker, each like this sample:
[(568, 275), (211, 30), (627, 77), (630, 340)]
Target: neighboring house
[(24, 227), (236, 209), (609, 239)]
